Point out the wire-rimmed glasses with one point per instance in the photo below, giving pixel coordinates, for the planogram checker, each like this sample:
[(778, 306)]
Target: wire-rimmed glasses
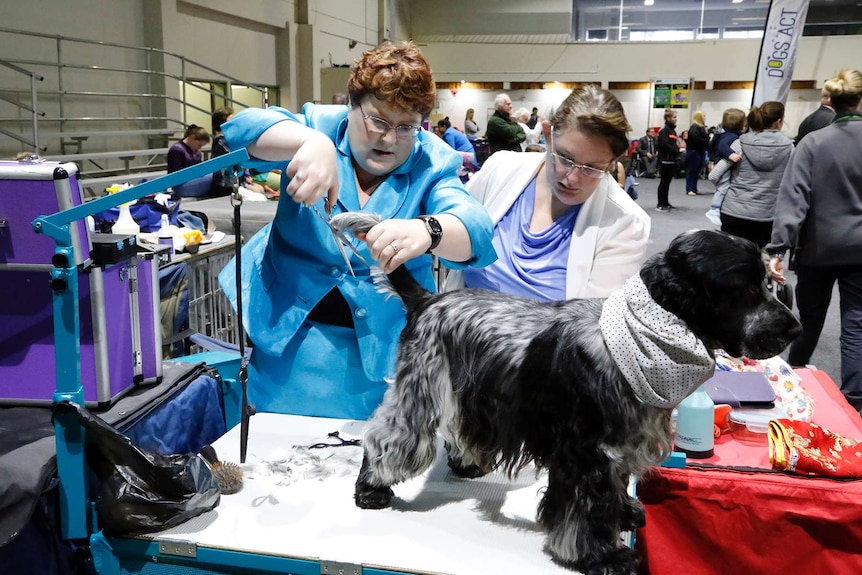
[(566, 165), (380, 126)]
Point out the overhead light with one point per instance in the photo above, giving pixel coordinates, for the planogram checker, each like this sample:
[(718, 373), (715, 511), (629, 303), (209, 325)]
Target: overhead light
[(649, 2), (736, 2)]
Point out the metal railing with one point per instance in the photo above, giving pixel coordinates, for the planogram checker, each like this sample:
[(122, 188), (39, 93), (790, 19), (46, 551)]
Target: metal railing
[(33, 109), (156, 63)]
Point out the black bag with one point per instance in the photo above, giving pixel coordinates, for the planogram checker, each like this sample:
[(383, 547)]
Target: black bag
[(141, 492)]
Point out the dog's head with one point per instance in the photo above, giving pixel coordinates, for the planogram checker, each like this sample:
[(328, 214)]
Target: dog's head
[(715, 283)]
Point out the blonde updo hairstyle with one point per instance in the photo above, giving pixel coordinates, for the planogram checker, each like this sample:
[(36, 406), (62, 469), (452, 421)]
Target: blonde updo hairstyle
[(845, 90)]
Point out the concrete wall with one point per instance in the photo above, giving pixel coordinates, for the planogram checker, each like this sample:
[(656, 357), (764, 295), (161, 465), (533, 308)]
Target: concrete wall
[(293, 43)]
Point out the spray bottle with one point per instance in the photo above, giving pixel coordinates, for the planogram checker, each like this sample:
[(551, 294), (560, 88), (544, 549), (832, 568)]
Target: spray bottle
[(694, 425), (166, 238)]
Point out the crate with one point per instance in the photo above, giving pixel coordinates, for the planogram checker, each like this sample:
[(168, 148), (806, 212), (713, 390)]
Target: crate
[(210, 312)]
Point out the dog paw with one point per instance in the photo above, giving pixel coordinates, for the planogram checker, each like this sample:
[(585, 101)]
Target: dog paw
[(633, 516), (369, 497), (620, 561), (466, 471)]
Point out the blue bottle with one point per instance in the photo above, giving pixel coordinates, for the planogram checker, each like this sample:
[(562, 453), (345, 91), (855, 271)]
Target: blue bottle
[(694, 425)]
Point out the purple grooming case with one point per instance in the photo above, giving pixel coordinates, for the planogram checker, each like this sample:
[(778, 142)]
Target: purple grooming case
[(120, 321)]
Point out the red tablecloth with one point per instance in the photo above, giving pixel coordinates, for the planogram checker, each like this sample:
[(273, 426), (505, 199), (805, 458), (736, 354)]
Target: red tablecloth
[(734, 515)]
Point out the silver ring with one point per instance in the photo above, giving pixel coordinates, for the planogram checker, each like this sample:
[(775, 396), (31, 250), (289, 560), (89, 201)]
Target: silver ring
[(394, 247), (299, 176)]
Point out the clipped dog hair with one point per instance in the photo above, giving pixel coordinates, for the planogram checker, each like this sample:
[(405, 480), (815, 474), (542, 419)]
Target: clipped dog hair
[(509, 381)]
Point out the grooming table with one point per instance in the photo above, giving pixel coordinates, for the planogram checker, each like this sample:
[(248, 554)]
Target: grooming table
[(438, 523)]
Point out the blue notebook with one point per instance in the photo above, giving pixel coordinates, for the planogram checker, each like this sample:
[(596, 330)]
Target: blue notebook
[(741, 389)]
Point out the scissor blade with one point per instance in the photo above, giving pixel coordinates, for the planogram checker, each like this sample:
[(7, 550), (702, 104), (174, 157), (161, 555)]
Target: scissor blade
[(346, 241), (338, 236)]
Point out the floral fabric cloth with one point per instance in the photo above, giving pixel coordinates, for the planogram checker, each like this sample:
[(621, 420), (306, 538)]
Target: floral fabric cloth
[(790, 396), (805, 448)]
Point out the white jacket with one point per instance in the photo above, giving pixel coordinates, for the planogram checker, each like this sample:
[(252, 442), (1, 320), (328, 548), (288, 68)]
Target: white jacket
[(610, 237)]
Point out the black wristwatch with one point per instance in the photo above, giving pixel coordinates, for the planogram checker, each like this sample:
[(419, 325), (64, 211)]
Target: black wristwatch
[(435, 230)]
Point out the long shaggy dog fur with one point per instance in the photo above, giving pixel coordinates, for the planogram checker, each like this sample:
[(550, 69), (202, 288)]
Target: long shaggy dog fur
[(508, 381)]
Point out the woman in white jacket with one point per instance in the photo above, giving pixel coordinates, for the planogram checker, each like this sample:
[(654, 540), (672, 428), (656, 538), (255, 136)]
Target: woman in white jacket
[(563, 226)]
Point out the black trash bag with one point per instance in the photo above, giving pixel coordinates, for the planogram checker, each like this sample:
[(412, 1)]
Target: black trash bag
[(141, 492)]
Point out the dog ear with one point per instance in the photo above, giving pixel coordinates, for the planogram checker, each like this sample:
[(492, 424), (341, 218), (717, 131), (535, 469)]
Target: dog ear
[(706, 278)]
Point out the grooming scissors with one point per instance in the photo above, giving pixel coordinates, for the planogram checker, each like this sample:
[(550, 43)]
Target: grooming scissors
[(341, 240)]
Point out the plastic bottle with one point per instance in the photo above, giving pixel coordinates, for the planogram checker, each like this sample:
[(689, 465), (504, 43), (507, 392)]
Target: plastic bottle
[(166, 238), (125, 223), (694, 425)]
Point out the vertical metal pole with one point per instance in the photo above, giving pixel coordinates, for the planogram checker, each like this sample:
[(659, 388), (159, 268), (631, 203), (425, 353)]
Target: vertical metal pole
[(148, 61), (183, 76), (60, 84), (68, 433), (35, 114), (620, 29), (760, 53)]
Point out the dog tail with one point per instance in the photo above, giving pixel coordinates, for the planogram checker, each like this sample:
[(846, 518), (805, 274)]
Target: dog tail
[(399, 282)]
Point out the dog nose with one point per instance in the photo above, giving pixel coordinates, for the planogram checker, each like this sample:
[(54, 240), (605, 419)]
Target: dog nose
[(795, 329)]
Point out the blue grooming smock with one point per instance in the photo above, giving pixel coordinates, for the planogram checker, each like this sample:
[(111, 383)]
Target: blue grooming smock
[(308, 368)]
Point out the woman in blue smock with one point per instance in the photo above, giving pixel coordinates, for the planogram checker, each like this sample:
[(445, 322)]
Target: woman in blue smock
[(324, 341)]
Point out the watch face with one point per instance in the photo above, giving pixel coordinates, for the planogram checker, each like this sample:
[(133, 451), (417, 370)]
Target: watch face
[(434, 226)]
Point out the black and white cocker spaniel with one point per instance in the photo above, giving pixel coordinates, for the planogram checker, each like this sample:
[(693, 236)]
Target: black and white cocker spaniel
[(581, 388)]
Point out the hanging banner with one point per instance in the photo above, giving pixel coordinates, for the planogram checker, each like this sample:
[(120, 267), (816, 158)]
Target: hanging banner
[(671, 93), (784, 24)]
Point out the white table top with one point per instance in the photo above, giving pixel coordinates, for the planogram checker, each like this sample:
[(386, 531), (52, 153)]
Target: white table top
[(438, 523)]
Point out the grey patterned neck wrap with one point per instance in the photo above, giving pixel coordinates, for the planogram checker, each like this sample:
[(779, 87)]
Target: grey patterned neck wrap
[(659, 356)]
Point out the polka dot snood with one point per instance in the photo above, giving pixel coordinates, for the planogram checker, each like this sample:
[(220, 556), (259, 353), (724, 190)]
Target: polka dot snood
[(659, 356)]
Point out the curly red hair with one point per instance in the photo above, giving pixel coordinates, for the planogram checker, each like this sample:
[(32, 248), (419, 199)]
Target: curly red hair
[(395, 73)]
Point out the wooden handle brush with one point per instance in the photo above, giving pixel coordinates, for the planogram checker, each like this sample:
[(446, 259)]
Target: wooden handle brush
[(228, 475)]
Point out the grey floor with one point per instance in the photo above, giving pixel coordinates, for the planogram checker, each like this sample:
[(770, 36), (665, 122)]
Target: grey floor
[(689, 215)]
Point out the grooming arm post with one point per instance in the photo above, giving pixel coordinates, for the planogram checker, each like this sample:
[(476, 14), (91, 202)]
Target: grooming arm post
[(69, 436)]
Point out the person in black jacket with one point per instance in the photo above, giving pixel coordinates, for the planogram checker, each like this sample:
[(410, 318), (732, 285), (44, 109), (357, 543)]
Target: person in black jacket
[(647, 149), (695, 151), (668, 156), (819, 118)]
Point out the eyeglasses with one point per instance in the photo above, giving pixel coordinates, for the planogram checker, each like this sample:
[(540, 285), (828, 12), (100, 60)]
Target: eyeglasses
[(566, 165), (377, 125)]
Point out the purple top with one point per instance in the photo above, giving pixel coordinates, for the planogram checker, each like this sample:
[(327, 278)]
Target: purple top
[(181, 156), (529, 264)]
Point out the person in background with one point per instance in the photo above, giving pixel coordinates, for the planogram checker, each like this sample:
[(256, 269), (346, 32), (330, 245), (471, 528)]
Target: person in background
[(733, 124), (324, 339), (534, 118), (749, 206), (222, 183), (647, 148), (819, 118), (458, 141), (618, 171), (564, 226), (695, 152), (668, 156), (818, 209), (471, 128), (532, 135), (339, 99), (503, 132), (185, 153)]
